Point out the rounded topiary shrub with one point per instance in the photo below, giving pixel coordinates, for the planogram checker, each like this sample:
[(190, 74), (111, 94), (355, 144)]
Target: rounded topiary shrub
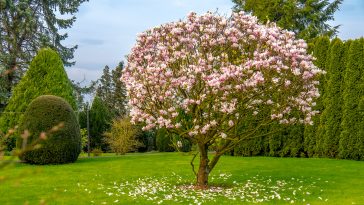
[(60, 146)]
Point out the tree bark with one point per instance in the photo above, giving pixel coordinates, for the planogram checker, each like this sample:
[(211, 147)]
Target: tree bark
[(10, 74), (204, 169)]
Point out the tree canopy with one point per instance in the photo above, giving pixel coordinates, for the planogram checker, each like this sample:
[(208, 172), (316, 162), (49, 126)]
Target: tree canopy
[(111, 90), (307, 18), (28, 25)]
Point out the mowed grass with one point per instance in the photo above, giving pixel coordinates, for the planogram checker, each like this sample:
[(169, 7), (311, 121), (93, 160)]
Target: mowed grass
[(159, 177)]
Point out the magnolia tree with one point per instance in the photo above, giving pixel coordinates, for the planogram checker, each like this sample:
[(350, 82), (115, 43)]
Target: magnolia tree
[(216, 81)]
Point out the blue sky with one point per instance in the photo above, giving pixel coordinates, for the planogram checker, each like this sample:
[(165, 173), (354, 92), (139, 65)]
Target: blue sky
[(106, 30)]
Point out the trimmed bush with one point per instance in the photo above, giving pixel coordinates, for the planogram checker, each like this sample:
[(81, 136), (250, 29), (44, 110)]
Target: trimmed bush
[(62, 145)]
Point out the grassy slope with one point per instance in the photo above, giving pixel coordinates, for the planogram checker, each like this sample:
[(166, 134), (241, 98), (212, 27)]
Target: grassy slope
[(341, 181)]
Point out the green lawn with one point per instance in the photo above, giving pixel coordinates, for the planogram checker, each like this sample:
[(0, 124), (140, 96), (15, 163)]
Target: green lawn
[(164, 178)]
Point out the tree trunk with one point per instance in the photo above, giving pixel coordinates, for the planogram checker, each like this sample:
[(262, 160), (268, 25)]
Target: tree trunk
[(204, 169), (10, 74)]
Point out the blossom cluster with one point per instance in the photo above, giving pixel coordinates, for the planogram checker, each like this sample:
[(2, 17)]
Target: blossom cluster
[(218, 71)]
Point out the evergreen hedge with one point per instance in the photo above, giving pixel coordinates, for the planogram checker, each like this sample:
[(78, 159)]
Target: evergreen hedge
[(338, 131), (333, 99), (351, 139), (313, 138)]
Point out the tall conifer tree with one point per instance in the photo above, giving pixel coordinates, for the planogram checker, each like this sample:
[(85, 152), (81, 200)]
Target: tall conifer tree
[(111, 90), (105, 87), (333, 99), (100, 122), (119, 93), (350, 139), (312, 139)]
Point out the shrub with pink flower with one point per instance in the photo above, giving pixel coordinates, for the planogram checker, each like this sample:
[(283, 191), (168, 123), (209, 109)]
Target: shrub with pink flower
[(206, 76)]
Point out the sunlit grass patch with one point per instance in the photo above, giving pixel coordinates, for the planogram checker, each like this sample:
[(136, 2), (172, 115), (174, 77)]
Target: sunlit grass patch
[(148, 179)]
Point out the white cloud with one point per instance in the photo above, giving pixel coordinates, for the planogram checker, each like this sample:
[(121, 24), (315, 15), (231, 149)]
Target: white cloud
[(83, 75), (106, 30)]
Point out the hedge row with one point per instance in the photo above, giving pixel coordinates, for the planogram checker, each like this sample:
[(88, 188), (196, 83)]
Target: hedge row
[(338, 132)]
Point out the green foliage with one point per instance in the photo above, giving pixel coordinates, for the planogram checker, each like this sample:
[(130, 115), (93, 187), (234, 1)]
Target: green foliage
[(308, 19), (358, 152), (4, 95), (100, 121), (97, 152), (293, 143), (82, 116), (323, 61), (122, 136), (119, 91), (112, 91), (84, 139), (338, 131), (181, 144), (45, 76), (147, 138), (313, 135), (249, 147), (170, 142), (351, 138), (333, 98), (27, 26), (275, 143), (109, 104), (164, 141), (104, 89), (63, 145)]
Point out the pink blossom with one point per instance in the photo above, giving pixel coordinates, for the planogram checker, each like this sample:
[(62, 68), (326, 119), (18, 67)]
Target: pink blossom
[(223, 135), (231, 123), (213, 123), (175, 68)]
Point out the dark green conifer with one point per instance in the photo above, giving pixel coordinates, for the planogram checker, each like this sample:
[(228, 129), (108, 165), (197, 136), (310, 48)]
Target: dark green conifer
[(331, 116), (308, 19), (312, 139), (100, 122), (351, 140)]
